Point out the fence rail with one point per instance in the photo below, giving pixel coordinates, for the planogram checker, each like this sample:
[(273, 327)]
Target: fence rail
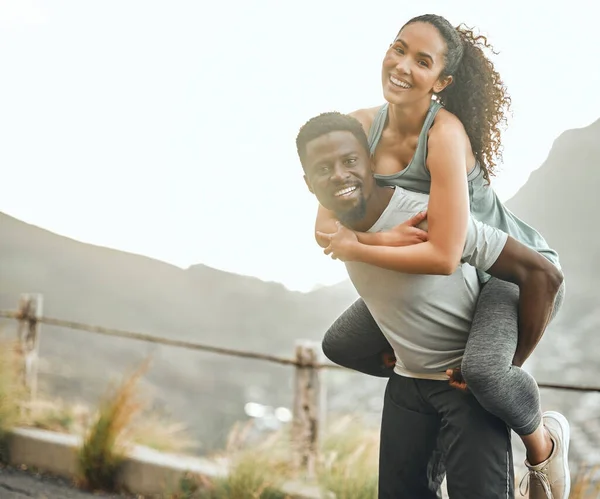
[(21, 315), (308, 389), (161, 340), (308, 404)]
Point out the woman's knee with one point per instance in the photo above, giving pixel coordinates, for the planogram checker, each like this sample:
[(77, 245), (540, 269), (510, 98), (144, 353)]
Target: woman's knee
[(481, 377)]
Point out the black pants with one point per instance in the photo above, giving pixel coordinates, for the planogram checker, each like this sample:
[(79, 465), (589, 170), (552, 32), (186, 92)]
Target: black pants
[(429, 429)]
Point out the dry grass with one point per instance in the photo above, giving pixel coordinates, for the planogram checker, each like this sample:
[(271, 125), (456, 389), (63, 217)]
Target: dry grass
[(251, 477), (161, 434), (256, 470), (12, 393), (105, 443), (59, 416), (349, 459), (348, 465), (586, 483), (147, 428)]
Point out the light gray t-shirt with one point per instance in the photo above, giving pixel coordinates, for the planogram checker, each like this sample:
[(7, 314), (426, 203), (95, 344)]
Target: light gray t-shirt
[(426, 318)]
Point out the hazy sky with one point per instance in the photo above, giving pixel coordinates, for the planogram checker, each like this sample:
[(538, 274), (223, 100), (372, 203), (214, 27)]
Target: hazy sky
[(167, 128)]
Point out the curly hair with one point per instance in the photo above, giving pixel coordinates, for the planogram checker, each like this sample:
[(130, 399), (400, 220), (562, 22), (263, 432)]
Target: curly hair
[(477, 96)]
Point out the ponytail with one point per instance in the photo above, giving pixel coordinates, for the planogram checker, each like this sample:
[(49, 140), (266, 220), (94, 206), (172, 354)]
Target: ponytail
[(477, 95)]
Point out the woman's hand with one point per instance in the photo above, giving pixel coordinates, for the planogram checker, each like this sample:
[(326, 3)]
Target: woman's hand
[(341, 243), (407, 233)]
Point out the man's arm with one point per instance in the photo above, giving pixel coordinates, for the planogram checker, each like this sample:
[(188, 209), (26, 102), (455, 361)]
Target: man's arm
[(539, 281)]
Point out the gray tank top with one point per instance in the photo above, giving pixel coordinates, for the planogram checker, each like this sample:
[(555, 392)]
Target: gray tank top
[(484, 203)]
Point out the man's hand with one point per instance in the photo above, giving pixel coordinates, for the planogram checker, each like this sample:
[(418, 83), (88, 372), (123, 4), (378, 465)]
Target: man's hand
[(456, 379), (341, 243), (406, 233), (388, 359)]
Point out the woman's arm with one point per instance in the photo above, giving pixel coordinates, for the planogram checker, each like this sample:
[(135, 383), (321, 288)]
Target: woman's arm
[(326, 223), (403, 234), (447, 214)]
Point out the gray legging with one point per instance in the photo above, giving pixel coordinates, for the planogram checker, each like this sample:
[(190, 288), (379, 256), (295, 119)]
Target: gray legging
[(355, 341)]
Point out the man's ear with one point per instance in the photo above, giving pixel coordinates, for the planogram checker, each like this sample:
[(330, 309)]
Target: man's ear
[(372, 165), (442, 84), (307, 182)]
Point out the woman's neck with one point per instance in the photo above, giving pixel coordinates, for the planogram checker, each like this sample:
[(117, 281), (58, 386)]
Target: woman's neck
[(408, 119)]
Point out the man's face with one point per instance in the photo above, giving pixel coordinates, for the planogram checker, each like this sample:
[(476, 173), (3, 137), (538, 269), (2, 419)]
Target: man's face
[(337, 170)]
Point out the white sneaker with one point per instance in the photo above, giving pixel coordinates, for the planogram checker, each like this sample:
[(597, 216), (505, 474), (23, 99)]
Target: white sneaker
[(551, 478)]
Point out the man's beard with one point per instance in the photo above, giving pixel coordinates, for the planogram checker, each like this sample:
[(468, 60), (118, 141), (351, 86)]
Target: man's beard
[(355, 214)]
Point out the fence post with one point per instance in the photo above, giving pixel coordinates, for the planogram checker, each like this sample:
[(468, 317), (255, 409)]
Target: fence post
[(307, 414), (30, 309)]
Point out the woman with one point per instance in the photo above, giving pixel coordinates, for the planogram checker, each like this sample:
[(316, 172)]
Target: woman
[(439, 133)]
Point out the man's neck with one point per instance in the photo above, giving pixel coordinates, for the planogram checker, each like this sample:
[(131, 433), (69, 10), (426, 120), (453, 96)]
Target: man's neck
[(376, 205)]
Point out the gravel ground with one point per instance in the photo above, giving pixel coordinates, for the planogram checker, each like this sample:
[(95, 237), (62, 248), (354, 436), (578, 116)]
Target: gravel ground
[(22, 484)]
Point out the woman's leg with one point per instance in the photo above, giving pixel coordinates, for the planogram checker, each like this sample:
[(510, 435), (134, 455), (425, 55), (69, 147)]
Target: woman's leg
[(505, 390), (355, 341)]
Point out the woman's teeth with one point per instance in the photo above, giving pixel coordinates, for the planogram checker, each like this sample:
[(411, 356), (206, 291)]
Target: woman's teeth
[(399, 83)]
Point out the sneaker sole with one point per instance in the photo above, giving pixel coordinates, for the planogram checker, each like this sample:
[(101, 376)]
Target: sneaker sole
[(566, 436)]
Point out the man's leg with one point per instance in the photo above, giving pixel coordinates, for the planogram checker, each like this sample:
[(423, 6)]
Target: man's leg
[(355, 341), (476, 445), (409, 459)]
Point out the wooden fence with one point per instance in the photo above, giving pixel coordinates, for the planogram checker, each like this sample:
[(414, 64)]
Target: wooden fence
[(308, 408)]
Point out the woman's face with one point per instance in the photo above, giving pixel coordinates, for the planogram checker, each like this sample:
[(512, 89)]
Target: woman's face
[(413, 64)]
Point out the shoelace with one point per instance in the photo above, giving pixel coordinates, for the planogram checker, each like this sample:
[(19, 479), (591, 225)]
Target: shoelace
[(542, 478)]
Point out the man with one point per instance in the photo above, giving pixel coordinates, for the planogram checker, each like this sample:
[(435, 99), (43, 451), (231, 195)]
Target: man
[(426, 319)]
